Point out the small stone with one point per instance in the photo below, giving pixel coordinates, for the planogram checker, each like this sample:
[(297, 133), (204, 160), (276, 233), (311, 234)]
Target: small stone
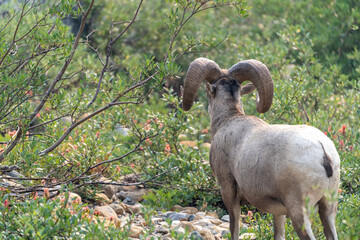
[(206, 234), (102, 199), (191, 218), (161, 230), (197, 218), (180, 230), (175, 223), (203, 214), (196, 235), (216, 221), (225, 218), (166, 215), (250, 236), (190, 210), (225, 225), (156, 220), (118, 208), (121, 195), (179, 216), (176, 208), (203, 222), (133, 208), (129, 201), (135, 231), (109, 190), (188, 226), (212, 214), (106, 211)]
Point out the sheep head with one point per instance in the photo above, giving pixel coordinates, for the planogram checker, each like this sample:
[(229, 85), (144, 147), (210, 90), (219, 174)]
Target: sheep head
[(252, 70)]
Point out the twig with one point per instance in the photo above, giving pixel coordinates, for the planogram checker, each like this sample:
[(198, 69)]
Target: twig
[(108, 54)]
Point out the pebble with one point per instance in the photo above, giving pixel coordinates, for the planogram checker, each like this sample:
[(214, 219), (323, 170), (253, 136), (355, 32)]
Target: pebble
[(225, 218)]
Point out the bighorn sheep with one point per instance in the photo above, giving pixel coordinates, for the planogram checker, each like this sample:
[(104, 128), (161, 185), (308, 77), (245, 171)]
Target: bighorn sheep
[(279, 169)]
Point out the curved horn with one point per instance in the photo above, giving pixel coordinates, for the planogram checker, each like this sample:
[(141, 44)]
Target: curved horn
[(257, 73), (200, 69)]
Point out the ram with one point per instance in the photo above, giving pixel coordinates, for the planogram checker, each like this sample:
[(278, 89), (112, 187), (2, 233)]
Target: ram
[(279, 169)]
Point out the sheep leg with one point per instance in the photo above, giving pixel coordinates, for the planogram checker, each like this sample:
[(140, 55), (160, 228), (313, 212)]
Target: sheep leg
[(232, 203), (301, 222), (327, 212), (279, 227)]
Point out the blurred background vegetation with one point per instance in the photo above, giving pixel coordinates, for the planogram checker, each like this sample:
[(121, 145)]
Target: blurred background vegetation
[(117, 105)]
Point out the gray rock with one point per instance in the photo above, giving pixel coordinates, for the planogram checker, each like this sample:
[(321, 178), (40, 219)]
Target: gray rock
[(196, 235), (225, 218), (129, 201), (167, 215), (191, 218), (179, 216), (122, 195), (162, 230)]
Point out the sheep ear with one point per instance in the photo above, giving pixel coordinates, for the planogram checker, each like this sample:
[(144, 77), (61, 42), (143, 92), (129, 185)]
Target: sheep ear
[(248, 88), (210, 89)]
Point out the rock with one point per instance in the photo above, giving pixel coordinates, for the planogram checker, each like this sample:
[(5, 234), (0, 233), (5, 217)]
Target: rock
[(203, 222), (135, 231), (191, 218), (187, 226), (161, 230), (206, 234), (215, 221), (156, 220), (225, 218), (101, 199), (180, 230), (121, 195), (110, 190), (212, 214), (203, 214), (188, 210), (105, 211), (250, 236), (133, 208), (179, 216), (118, 208), (136, 195), (175, 223), (225, 225), (129, 201), (196, 235)]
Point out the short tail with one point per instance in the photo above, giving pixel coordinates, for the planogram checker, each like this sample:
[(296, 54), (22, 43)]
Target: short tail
[(327, 163)]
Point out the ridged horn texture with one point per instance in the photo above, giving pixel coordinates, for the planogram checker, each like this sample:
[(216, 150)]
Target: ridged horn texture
[(257, 73), (200, 69)]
